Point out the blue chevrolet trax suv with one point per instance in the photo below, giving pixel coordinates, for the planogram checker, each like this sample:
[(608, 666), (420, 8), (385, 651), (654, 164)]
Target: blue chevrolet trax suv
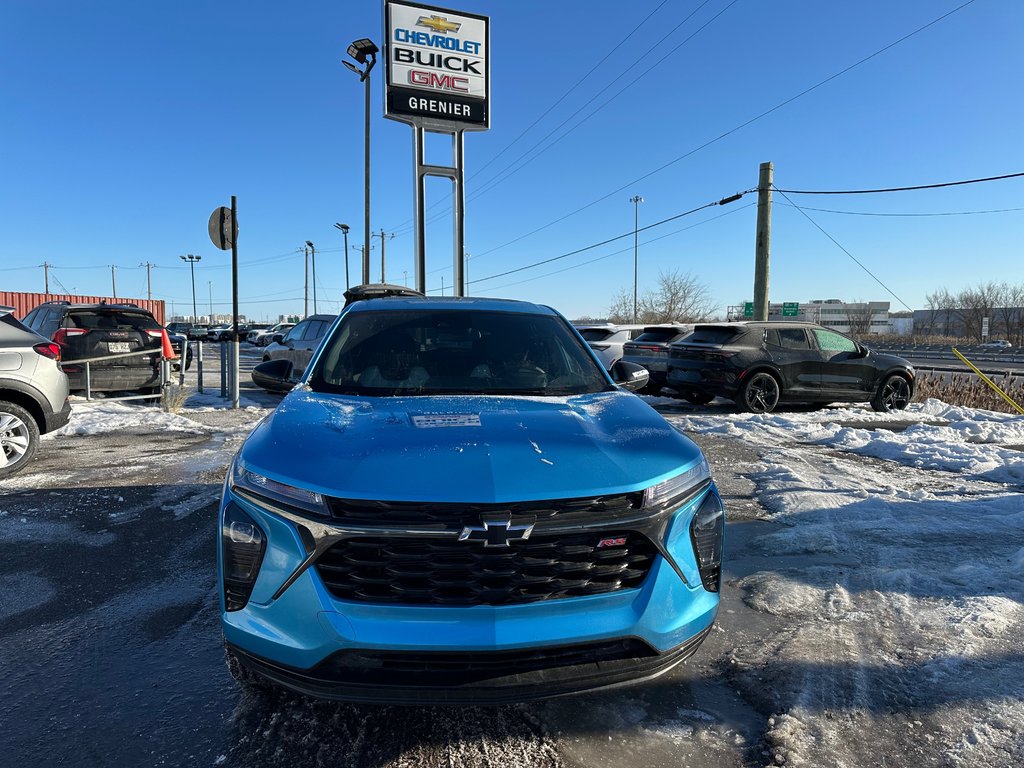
[(457, 503)]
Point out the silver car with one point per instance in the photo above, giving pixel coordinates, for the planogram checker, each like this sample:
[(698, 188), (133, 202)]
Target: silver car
[(607, 340), (299, 343), (33, 392), (650, 349)]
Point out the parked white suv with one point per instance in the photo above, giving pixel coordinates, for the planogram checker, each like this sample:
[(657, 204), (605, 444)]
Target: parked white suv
[(33, 392), (607, 340)]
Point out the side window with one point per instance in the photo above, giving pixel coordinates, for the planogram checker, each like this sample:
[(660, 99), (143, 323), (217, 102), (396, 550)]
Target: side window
[(314, 331), (792, 338), (30, 318), (830, 341), (296, 332), (49, 321)]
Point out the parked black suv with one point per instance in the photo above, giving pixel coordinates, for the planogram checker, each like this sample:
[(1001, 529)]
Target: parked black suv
[(759, 365), (98, 330)]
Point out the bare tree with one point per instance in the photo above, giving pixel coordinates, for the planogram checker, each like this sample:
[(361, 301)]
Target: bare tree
[(621, 309), (859, 320)]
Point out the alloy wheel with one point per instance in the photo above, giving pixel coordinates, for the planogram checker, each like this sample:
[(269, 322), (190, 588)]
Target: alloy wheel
[(762, 393), (14, 438), (895, 393)]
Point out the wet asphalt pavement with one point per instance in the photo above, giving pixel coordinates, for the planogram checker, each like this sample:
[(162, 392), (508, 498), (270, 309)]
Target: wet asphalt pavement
[(110, 645)]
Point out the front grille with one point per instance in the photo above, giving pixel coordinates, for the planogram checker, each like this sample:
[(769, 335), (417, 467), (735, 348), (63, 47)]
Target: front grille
[(450, 669), (449, 572), (384, 513)]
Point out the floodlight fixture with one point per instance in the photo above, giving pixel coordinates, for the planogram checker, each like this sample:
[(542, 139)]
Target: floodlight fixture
[(360, 49)]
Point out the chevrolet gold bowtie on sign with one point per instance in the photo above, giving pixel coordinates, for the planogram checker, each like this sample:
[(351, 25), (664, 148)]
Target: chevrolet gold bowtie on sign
[(438, 24)]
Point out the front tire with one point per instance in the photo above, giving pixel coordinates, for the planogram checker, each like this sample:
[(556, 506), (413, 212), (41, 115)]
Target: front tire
[(893, 394), (19, 438), (759, 394)]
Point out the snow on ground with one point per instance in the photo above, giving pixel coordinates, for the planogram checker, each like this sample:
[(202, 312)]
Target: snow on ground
[(893, 562)]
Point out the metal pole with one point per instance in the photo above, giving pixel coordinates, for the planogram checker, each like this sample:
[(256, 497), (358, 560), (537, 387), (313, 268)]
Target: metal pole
[(305, 285), (149, 286), (382, 238), (366, 202), (46, 277), (312, 253), (234, 299), (458, 213), (209, 284), (195, 311), (113, 280), (345, 233), (419, 214), (199, 366), (762, 247), (636, 200)]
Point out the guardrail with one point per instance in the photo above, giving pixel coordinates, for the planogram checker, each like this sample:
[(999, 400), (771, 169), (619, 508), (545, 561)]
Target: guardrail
[(937, 352), (165, 372)]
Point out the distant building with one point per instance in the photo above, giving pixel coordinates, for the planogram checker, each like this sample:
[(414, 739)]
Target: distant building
[(854, 317)]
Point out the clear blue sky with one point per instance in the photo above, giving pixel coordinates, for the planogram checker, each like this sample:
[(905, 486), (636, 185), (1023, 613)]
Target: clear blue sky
[(123, 124)]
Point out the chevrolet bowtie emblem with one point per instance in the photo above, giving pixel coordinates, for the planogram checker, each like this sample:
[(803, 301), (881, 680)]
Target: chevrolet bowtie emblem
[(438, 24), (496, 533)]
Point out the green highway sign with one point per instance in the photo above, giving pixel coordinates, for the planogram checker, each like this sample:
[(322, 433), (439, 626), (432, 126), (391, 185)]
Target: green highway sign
[(748, 309), (790, 309)]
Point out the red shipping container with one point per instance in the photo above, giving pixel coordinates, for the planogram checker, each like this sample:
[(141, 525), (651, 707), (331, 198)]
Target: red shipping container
[(24, 303)]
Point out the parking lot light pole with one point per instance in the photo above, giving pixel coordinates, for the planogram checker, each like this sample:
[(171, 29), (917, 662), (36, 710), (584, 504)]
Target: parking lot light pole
[(365, 52), (635, 200), (312, 252), (192, 263), (344, 231)]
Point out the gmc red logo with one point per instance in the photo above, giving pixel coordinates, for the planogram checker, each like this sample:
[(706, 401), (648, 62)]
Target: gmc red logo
[(441, 82), (616, 542)]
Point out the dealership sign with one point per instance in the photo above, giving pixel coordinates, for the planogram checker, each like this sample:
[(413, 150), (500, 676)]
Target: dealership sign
[(438, 67)]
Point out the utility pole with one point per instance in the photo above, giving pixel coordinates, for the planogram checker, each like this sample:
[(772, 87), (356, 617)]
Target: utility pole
[(113, 280), (305, 288), (465, 271), (762, 247), (635, 200), (312, 251), (46, 277), (149, 286), (442, 285), (209, 284), (383, 236)]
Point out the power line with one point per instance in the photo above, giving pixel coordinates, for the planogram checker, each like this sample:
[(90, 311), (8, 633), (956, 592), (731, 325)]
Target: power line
[(898, 189), (621, 251), (739, 127), (877, 213), (838, 245), (630, 233)]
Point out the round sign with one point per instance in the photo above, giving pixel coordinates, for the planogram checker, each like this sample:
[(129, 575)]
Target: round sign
[(223, 228)]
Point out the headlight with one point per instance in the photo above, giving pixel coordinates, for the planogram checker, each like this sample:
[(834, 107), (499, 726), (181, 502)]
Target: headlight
[(256, 484), (674, 491), (243, 544), (707, 532)]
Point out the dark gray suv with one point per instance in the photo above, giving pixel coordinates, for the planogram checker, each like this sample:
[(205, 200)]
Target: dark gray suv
[(33, 392)]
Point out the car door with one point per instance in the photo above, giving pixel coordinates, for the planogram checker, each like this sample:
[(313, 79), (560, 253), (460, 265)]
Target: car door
[(845, 370), (306, 346), (289, 342), (797, 360)]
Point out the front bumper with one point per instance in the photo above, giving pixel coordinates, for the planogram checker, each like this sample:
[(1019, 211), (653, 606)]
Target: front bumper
[(488, 678), (310, 641)]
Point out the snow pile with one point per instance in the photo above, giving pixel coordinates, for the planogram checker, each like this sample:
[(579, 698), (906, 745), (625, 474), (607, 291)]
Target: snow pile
[(892, 565), (94, 418)]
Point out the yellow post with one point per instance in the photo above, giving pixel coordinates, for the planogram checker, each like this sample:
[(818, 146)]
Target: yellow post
[(988, 381)]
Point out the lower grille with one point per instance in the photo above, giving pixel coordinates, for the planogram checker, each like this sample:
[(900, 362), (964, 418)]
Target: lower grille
[(449, 572), (452, 669)]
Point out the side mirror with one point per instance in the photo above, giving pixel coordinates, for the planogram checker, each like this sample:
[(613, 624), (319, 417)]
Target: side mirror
[(274, 375), (277, 338), (630, 375), (862, 351)]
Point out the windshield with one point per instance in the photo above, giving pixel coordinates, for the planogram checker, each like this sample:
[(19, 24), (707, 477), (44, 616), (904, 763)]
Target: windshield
[(441, 352)]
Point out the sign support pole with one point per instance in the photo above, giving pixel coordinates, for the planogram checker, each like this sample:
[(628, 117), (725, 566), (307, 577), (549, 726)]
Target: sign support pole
[(234, 304), (456, 173)]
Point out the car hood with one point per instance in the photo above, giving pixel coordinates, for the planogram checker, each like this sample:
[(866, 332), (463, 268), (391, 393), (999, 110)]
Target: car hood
[(467, 448), (885, 360)]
